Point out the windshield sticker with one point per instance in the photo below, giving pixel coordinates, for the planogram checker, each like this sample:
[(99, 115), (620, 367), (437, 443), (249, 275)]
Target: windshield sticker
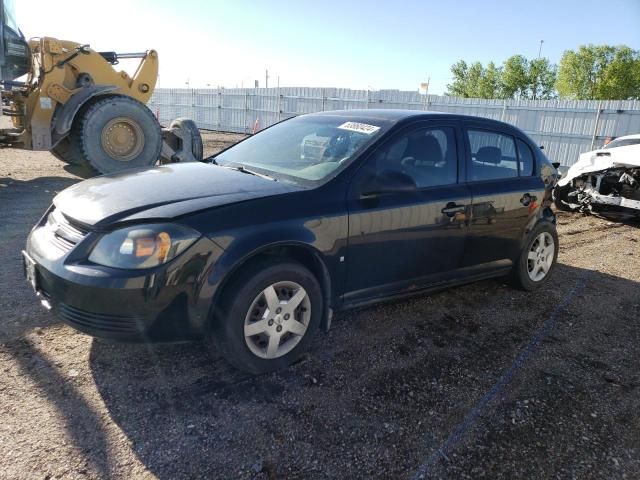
[(359, 127)]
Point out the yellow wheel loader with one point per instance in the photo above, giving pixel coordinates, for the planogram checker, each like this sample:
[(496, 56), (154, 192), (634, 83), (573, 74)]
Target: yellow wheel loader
[(76, 105)]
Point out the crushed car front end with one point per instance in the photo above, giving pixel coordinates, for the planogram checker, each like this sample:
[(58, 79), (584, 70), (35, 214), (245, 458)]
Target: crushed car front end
[(602, 181)]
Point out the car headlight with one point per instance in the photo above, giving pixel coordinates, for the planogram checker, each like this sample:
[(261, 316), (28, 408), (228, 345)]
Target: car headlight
[(142, 246)]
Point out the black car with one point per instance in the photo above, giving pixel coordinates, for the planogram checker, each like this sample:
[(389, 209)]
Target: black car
[(256, 249)]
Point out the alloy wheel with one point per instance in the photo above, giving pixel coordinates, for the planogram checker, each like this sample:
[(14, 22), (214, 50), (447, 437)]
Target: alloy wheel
[(277, 320), (540, 256)]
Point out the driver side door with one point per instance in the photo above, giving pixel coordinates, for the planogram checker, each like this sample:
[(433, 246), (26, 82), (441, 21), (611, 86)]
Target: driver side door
[(403, 239)]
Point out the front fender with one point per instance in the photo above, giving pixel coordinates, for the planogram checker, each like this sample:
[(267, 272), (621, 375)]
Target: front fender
[(317, 240), (65, 113), (230, 263), (304, 222)]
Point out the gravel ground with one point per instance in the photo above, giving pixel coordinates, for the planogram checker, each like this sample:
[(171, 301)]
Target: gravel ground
[(481, 381)]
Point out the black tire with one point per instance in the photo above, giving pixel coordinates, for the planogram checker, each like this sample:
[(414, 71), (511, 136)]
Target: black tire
[(238, 297), (69, 153), (197, 149), (520, 273), (560, 196), (86, 134)]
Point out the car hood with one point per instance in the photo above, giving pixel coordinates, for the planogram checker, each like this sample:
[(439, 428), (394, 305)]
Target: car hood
[(603, 159), (161, 193)]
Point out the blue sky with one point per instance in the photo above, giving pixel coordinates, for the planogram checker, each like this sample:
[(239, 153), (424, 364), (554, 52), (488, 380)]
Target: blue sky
[(354, 44)]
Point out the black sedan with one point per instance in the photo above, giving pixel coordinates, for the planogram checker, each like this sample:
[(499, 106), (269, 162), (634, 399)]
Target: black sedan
[(256, 249)]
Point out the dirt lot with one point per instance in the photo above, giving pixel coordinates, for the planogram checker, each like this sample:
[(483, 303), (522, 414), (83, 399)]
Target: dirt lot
[(479, 381)]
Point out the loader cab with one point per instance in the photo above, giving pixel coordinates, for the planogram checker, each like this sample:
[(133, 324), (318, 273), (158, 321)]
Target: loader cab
[(15, 57)]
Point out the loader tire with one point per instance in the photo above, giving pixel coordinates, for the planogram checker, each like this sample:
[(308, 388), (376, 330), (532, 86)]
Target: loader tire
[(190, 125), (115, 133), (69, 153)]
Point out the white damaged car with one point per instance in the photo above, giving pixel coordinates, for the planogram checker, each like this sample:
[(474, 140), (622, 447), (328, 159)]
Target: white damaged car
[(604, 180)]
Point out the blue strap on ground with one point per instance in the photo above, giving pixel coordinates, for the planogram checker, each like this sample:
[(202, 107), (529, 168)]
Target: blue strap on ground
[(481, 406)]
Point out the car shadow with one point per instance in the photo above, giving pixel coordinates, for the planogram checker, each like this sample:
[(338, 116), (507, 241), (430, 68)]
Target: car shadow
[(83, 425), (81, 171), (378, 393)]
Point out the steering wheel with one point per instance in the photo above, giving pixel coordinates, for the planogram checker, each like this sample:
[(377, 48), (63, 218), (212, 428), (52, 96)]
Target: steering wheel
[(408, 165), (408, 162)]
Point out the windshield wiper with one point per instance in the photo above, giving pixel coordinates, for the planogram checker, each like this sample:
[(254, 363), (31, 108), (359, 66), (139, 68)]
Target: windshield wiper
[(211, 159), (243, 169)]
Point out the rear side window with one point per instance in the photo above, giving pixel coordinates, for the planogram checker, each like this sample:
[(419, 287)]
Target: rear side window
[(493, 155), (526, 159)]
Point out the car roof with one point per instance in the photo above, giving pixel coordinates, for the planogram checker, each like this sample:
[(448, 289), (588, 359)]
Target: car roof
[(397, 115)]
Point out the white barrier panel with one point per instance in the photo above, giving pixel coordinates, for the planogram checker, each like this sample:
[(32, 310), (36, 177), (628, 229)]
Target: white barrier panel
[(566, 128)]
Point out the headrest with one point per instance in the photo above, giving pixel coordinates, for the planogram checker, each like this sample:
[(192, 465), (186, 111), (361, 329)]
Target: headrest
[(424, 148), (489, 155)]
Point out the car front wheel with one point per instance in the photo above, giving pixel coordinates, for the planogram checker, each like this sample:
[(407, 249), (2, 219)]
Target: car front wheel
[(269, 315), (538, 258)]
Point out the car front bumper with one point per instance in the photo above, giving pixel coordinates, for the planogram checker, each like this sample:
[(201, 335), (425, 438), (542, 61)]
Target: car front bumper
[(171, 302)]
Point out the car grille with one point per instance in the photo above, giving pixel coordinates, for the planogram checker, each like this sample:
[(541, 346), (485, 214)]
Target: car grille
[(65, 235), (101, 323)]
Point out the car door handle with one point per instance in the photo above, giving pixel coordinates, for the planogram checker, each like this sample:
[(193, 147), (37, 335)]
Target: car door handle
[(451, 209)]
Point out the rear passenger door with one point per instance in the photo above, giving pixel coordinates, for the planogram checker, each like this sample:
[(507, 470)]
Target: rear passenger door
[(505, 193)]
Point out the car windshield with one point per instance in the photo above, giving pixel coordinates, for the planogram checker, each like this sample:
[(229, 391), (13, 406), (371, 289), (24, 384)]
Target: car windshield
[(622, 142), (305, 150)]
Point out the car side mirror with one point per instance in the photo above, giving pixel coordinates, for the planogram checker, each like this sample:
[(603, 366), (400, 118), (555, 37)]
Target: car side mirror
[(389, 181)]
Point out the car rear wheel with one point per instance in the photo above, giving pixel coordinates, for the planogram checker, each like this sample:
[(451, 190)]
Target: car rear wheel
[(538, 259), (269, 315)]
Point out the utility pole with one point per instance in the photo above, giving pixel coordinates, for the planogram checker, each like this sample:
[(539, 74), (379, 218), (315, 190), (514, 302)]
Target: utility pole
[(266, 78), (425, 87), (540, 49)]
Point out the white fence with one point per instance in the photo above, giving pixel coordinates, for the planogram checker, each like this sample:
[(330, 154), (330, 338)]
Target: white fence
[(566, 128)]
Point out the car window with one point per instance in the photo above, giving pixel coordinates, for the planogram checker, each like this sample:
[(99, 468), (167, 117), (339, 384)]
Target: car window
[(493, 155), (427, 155), (525, 155)]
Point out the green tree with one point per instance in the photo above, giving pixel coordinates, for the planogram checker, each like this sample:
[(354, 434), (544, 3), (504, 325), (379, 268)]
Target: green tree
[(489, 83), (458, 88), (515, 77), (474, 81), (599, 72), (474, 77), (541, 76)]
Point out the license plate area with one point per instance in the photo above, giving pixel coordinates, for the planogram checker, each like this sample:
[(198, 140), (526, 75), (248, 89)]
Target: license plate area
[(30, 270)]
